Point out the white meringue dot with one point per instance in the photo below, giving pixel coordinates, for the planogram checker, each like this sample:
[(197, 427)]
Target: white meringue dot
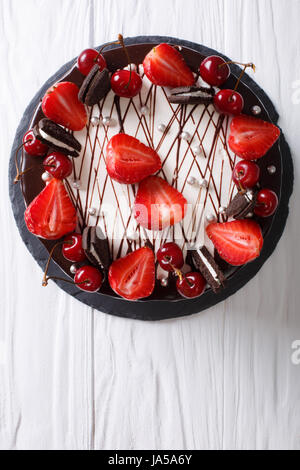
[(95, 121), (197, 149), (76, 184), (46, 177), (210, 217), (185, 136), (161, 127), (256, 109), (107, 121), (144, 110), (203, 183), (191, 180), (92, 211), (271, 169), (73, 269)]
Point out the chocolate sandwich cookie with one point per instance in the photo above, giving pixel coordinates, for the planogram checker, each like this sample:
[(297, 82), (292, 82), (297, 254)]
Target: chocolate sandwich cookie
[(95, 246), (191, 95), (241, 205), (206, 264), (56, 137), (95, 86)]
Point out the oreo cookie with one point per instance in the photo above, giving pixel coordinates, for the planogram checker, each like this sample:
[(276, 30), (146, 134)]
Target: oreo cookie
[(96, 248), (206, 264), (57, 137), (241, 205), (191, 95), (95, 86)]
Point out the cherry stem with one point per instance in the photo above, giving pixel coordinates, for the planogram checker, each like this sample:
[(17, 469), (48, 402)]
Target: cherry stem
[(245, 66), (119, 42), (45, 282), (177, 272), (242, 189), (106, 45), (180, 275), (20, 173), (45, 277), (242, 73), (249, 64)]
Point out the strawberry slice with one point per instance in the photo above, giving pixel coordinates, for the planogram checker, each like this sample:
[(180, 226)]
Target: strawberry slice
[(129, 161), (157, 204), (133, 277), (237, 242), (61, 105), (250, 138), (51, 214), (165, 66)]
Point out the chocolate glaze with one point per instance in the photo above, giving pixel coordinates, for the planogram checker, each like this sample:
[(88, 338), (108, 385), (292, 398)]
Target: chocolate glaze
[(32, 183)]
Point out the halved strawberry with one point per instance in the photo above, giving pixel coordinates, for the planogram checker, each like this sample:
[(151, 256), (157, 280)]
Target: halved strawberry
[(129, 161), (61, 105), (250, 138), (237, 242), (157, 204), (165, 66), (133, 277), (51, 214)]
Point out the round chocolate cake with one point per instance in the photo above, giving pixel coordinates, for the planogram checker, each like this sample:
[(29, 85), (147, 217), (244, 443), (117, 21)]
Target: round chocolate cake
[(145, 127)]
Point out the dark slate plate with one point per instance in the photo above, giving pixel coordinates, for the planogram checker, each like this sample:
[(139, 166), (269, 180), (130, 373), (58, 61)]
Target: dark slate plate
[(156, 309)]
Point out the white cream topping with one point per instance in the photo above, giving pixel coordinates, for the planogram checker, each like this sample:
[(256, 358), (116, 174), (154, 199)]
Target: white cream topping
[(54, 141), (95, 254), (200, 93), (210, 268), (118, 199)]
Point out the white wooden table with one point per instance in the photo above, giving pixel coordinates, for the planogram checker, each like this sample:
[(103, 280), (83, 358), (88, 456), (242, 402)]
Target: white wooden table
[(74, 378)]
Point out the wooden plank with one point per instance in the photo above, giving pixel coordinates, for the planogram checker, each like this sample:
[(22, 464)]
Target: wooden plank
[(72, 378), (47, 334)]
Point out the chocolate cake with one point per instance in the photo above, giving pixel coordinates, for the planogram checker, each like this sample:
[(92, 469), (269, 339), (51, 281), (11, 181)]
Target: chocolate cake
[(182, 125)]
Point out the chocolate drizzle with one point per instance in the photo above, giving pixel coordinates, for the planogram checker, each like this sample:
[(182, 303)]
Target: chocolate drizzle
[(118, 108), (180, 117)]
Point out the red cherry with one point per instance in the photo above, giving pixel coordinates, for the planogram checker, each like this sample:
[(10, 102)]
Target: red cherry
[(191, 285), (123, 87), (266, 203), (58, 165), (33, 146), (228, 102), (88, 58), (88, 278), (246, 174), (72, 248), (170, 256), (214, 70)]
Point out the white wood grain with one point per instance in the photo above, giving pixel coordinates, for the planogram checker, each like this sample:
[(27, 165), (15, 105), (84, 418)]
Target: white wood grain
[(72, 378)]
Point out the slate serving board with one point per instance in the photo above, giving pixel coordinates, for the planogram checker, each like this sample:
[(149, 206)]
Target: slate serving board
[(156, 309)]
